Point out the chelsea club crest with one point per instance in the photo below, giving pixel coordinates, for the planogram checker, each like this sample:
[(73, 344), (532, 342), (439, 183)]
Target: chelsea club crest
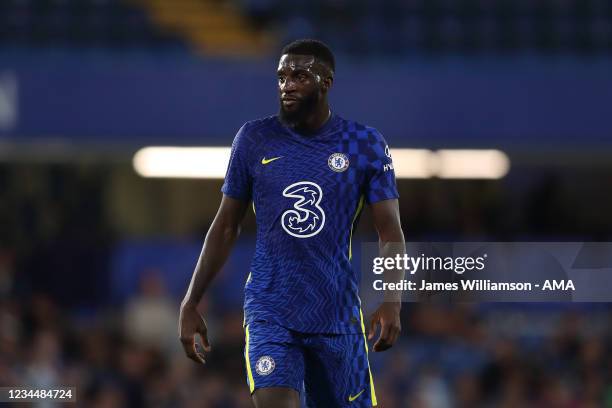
[(265, 365), (338, 162)]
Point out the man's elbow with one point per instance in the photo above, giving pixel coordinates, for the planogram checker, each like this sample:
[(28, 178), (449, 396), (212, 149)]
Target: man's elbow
[(224, 231), (230, 232)]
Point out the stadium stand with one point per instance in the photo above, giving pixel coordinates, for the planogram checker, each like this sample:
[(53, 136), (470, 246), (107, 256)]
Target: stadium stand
[(253, 27), (80, 23)]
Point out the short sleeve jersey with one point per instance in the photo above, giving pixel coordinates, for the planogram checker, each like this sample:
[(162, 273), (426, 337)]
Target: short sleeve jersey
[(307, 193)]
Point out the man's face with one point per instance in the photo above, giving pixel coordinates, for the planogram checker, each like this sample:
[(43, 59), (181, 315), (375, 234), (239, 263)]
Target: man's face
[(300, 84)]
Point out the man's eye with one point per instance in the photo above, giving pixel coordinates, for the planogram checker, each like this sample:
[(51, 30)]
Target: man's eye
[(301, 77)]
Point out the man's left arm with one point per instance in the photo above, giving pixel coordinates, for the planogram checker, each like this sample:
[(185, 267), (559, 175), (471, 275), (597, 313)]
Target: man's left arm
[(391, 243)]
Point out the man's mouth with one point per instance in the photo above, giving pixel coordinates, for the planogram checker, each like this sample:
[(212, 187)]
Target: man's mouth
[(289, 101)]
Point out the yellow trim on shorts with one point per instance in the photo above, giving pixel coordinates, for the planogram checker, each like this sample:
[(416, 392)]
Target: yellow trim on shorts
[(248, 279), (359, 207), (365, 340), (248, 363)]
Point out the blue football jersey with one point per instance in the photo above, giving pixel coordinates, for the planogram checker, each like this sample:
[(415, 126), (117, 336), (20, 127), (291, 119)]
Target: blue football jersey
[(307, 193)]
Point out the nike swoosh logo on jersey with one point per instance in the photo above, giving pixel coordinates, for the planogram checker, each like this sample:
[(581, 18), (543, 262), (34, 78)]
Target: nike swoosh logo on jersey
[(354, 397), (266, 161)]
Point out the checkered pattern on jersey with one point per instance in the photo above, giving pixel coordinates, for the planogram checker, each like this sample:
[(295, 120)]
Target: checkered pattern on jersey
[(301, 276)]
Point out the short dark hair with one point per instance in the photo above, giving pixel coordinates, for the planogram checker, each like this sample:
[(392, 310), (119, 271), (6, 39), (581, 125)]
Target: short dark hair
[(316, 48)]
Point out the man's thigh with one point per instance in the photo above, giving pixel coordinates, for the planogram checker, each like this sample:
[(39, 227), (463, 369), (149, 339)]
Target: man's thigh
[(337, 372), (274, 362), (276, 397)]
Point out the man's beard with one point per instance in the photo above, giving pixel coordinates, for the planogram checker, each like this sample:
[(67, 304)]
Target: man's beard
[(298, 116)]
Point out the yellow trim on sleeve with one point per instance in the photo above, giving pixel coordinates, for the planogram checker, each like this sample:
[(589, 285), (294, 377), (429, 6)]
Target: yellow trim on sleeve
[(359, 207), (365, 340), (248, 363)]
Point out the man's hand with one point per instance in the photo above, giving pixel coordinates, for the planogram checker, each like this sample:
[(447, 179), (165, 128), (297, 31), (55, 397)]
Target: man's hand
[(191, 323), (388, 317)]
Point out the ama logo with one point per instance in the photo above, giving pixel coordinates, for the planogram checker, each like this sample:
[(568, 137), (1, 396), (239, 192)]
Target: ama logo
[(306, 218)]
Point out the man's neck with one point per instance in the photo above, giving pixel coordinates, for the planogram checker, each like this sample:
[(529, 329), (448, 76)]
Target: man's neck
[(315, 121)]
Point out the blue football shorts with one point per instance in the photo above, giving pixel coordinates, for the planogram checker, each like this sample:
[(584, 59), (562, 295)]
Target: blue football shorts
[(331, 369)]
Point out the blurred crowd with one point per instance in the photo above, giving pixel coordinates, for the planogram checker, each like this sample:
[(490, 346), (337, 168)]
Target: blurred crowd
[(128, 357), (59, 323), (459, 356)]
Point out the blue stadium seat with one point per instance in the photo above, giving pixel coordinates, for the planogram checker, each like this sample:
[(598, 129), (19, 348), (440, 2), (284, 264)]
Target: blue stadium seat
[(99, 23)]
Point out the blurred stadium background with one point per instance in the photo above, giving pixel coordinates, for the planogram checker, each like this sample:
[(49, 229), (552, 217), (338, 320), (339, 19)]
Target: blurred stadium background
[(94, 258)]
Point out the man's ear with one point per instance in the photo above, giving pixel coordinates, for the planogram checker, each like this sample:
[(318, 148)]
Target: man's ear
[(327, 83)]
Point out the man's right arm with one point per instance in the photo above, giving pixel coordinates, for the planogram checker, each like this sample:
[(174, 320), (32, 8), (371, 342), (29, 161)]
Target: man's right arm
[(217, 246)]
